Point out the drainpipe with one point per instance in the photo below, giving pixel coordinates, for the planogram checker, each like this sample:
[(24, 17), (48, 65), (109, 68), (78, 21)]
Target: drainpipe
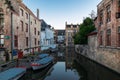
[(12, 44), (29, 34)]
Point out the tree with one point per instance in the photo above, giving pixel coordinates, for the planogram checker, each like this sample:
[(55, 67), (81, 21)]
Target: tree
[(92, 14), (85, 28)]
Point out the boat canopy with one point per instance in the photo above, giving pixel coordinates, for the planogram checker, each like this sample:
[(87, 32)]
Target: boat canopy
[(45, 60), (11, 73)]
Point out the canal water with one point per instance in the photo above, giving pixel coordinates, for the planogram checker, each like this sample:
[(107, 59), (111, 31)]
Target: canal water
[(67, 67)]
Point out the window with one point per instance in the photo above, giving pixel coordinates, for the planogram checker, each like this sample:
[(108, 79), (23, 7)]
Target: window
[(118, 13), (108, 37), (26, 27), (1, 18), (38, 32), (119, 4), (15, 40), (26, 15), (118, 36), (38, 42), (21, 23), (1, 40), (21, 11), (101, 17), (35, 21), (35, 31), (1, 27), (26, 41), (35, 41), (108, 14), (101, 38)]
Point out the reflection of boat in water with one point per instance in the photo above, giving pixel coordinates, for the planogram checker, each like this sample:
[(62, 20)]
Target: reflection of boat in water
[(53, 49), (42, 63), (38, 74), (46, 71), (12, 74)]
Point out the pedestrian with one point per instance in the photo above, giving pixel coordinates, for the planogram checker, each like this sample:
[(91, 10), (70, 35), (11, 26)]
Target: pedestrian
[(6, 55), (20, 54)]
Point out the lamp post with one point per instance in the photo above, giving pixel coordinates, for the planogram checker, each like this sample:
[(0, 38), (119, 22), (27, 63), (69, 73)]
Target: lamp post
[(12, 36)]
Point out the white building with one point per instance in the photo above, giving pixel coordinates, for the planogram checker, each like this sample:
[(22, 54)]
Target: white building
[(47, 36), (60, 36)]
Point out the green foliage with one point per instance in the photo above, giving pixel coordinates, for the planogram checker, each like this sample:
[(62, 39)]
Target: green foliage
[(85, 28)]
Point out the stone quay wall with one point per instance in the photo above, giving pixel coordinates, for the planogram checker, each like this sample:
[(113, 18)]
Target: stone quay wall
[(106, 56)]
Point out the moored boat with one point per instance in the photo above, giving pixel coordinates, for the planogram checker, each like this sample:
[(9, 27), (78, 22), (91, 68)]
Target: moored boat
[(42, 63), (40, 56), (12, 74), (43, 55)]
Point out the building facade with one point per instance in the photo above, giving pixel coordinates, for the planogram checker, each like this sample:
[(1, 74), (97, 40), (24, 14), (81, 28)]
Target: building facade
[(108, 23), (70, 31), (107, 48), (19, 27), (60, 36), (47, 36)]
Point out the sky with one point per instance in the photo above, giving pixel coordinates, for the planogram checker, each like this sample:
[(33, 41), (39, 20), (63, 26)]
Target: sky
[(57, 12)]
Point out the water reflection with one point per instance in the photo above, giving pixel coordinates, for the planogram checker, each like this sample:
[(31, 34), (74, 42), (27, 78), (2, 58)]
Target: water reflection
[(96, 71), (68, 68), (39, 74), (63, 69)]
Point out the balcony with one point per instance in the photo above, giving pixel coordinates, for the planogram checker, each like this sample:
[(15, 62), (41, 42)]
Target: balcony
[(117, 15)]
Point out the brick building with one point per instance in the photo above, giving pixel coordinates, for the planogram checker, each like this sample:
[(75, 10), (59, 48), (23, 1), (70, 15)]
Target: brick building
[(70, 31), (108, 23), (19, 27), (105, 46)]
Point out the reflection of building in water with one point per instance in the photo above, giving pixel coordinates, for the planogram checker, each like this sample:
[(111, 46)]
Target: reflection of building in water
[(60, 56), (69, 57)]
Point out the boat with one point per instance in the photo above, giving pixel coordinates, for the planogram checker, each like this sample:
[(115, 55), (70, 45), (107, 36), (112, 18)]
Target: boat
[(53, 50), (12, 73), (40, 56), (42, 63)]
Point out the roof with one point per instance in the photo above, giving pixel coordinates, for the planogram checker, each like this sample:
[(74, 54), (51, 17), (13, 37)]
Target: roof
[(60, 32), (28, 10), (43, 25), (93, 33), (70, 25)]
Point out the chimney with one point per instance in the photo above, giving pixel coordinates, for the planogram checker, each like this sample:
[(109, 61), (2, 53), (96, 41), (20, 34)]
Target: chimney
[(19, 1), (66, 23), (38, 13)]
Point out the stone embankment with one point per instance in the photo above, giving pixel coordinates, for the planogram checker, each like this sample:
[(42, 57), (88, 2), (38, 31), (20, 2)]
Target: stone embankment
[(109, 57)]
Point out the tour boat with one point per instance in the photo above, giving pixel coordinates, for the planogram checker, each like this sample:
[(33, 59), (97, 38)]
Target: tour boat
[(42, 63), (12, 73)]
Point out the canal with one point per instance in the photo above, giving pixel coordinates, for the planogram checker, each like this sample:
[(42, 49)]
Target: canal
[(67, 67)]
